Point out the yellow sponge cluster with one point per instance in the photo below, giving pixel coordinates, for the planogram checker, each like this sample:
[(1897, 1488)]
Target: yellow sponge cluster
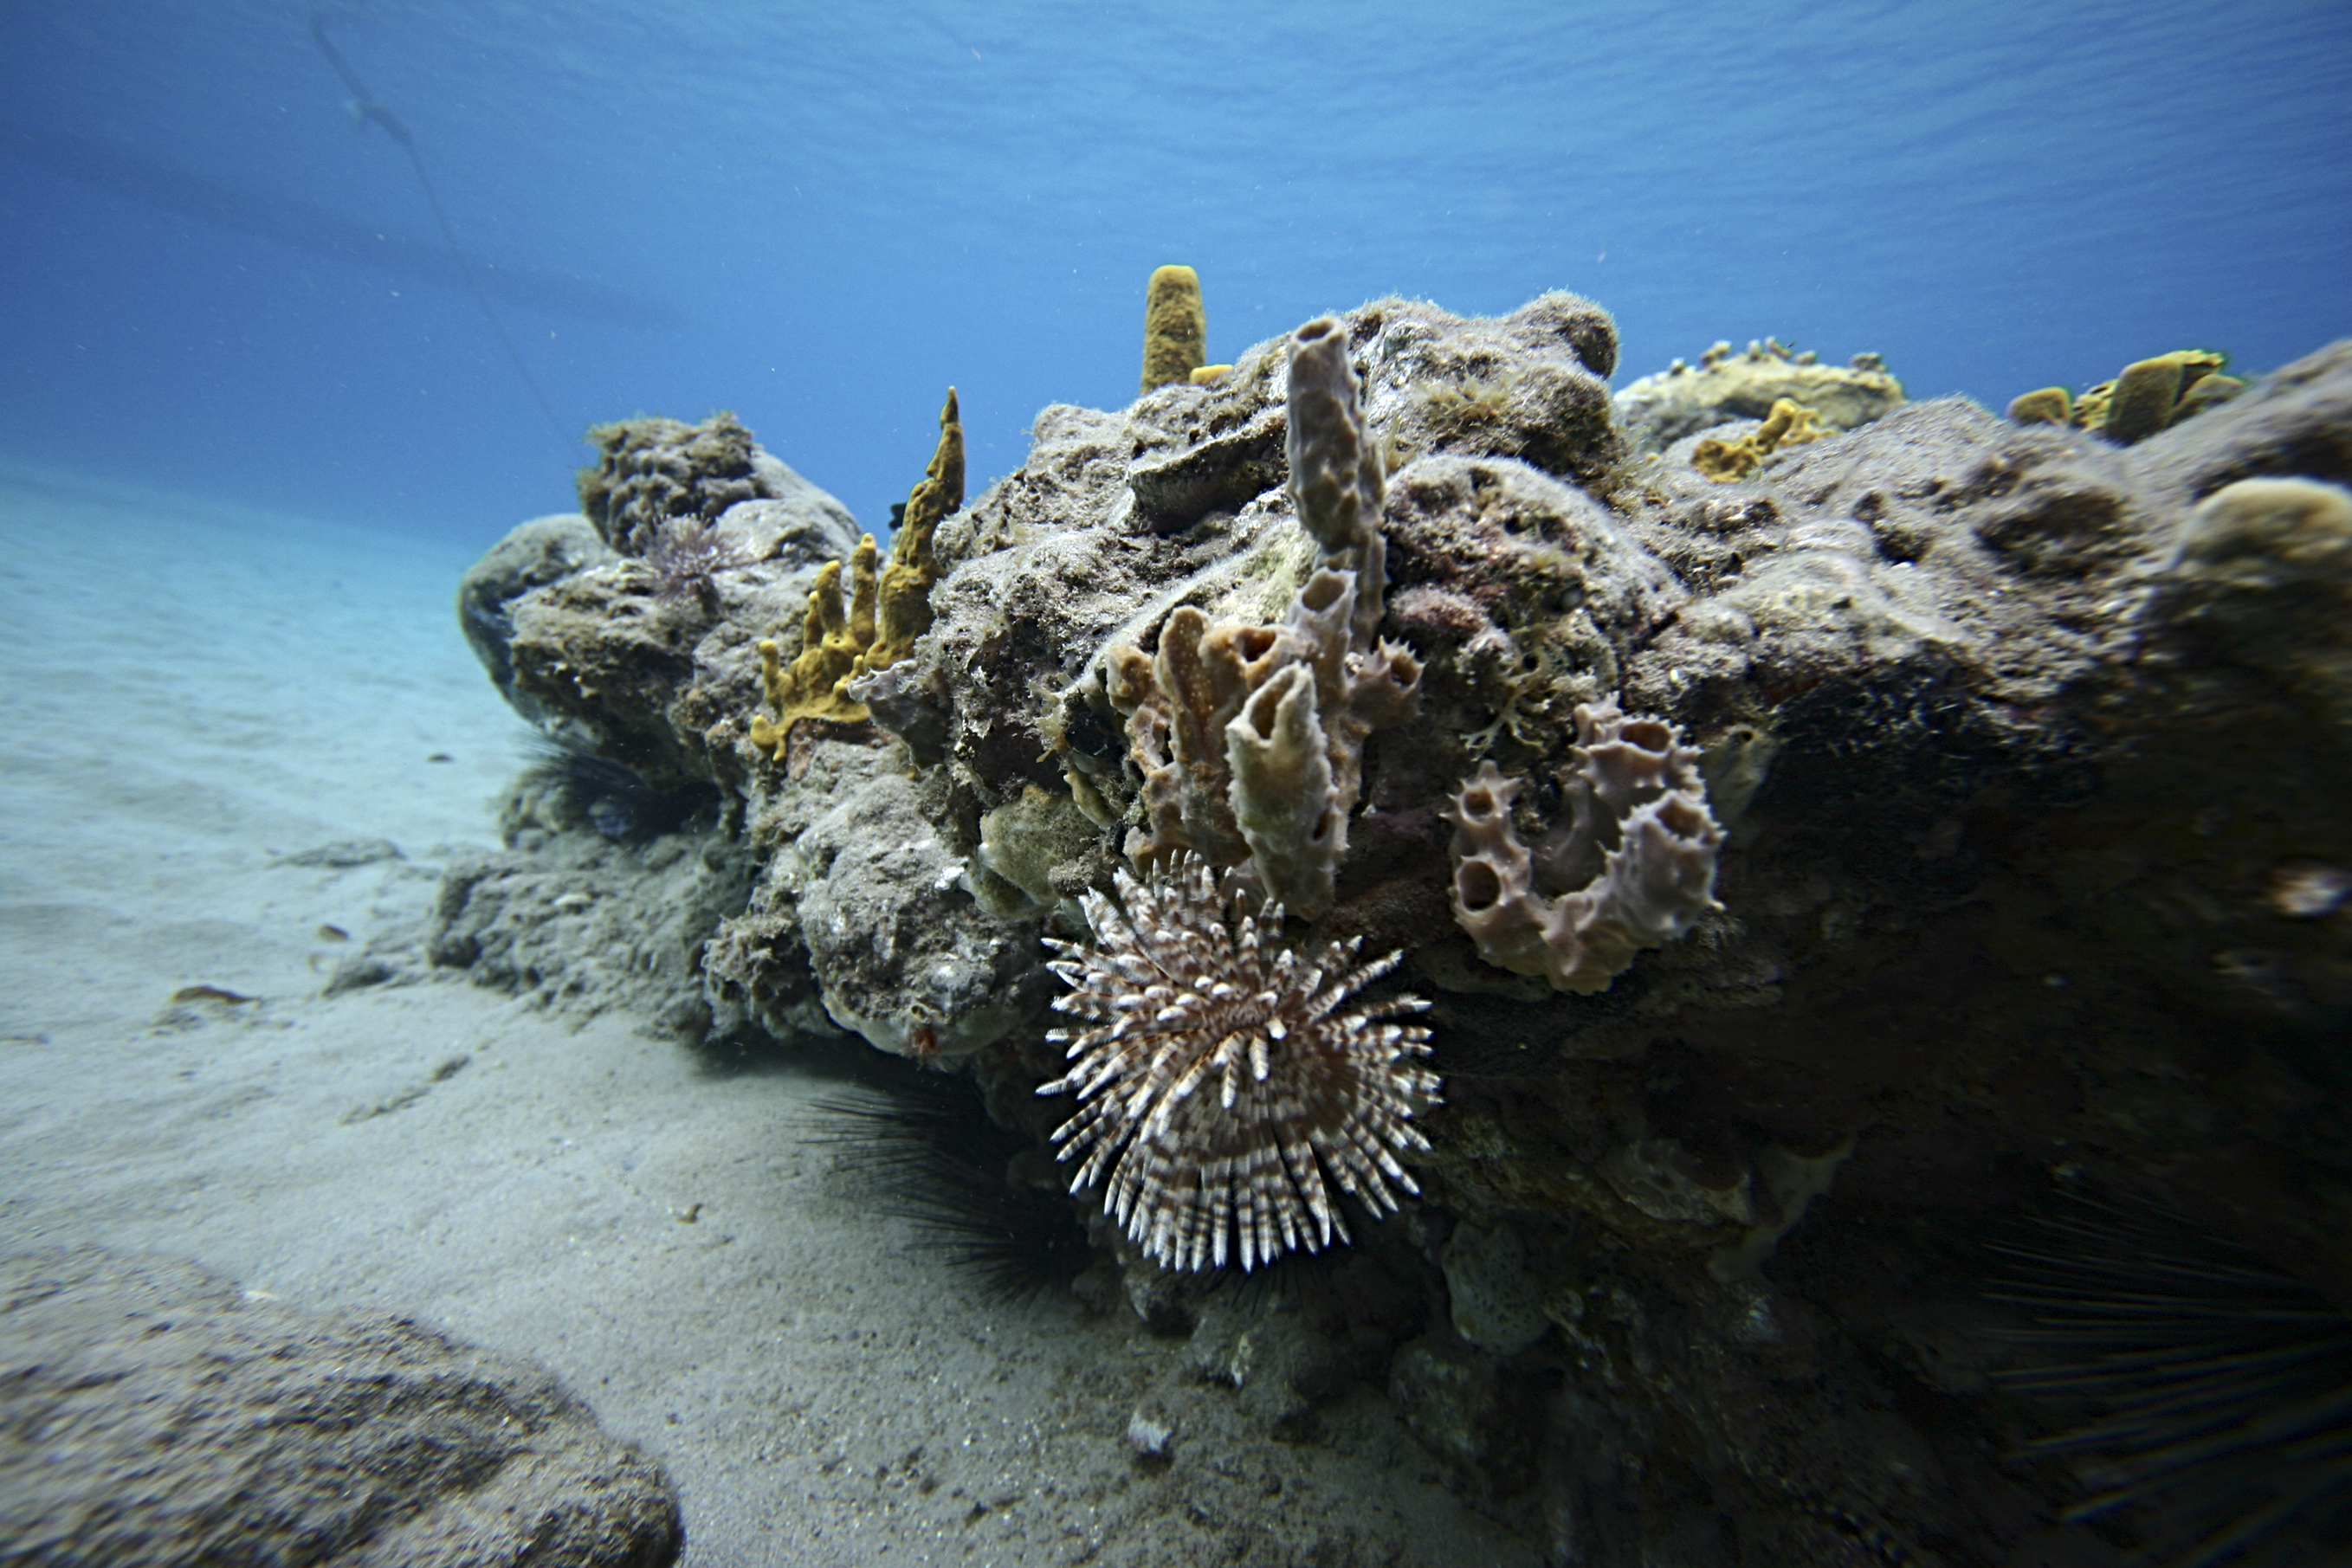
[(2149, 396), (886, 610), (1789, 425)]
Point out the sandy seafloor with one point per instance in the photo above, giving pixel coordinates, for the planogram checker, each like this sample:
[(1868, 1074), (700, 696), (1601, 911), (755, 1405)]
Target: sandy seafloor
[(194, 695)]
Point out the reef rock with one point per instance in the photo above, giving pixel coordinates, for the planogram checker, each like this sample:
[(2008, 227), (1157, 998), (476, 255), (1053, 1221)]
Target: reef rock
[(544, 550), (900, 950), (579, 924), (158, 1415), (1989, 820), (1659, 410), (640, 651)]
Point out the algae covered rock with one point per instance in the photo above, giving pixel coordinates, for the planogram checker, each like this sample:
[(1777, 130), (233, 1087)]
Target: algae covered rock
[(1659, 410), (531, 556), (2262, 578), (165, 1417), (582, 925), (901, 952), (642, 650), (655, 474)]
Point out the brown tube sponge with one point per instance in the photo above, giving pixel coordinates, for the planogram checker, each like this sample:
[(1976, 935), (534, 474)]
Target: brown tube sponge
[(1639, 851), (1250, 739)]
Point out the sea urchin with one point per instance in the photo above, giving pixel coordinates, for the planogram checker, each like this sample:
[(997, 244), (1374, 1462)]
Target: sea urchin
[(1189, 994), (2221, 1390)]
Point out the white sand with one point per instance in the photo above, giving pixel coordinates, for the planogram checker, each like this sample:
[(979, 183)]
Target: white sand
[(189, 694)]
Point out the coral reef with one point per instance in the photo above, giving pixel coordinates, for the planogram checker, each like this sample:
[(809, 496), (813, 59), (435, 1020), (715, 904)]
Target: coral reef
[(1639, 850), (2013, 756), (1789, 425), (1226, 1089), (899, 951), (1175, 327), (1683, 401)]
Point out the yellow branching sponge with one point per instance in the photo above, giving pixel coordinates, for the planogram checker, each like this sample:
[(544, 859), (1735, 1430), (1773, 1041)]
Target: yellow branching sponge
[(815, 685), (1175, 328), (1250, 739), (1639, 852), (885, 613), (904, 612), (1789, 425)]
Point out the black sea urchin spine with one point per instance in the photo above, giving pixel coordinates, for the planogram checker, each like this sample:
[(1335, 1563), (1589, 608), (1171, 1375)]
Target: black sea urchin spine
[(936, 1161), (2222, 1390)]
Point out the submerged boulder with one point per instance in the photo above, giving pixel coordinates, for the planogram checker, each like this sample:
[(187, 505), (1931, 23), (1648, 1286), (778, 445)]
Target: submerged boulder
[(159, 1415)]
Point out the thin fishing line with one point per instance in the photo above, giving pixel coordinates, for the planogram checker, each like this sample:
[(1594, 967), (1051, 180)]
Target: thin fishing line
[(368, 110)]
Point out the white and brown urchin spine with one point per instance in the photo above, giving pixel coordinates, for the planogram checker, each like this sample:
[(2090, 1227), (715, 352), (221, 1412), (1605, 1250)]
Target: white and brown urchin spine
[(1225, 1085)]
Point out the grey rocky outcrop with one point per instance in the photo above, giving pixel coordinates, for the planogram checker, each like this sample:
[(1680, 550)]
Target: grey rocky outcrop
[(2027, 754), (642, 647), (157, 1417)]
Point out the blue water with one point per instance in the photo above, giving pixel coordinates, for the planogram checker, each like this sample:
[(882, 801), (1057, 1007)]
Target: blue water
[(216, 280)]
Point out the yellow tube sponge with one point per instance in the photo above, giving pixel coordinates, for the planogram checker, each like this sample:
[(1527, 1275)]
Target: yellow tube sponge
[(2151, 395), (905, 610), (2048, 405), (1175, 328), (2149, 390), (833, 638)]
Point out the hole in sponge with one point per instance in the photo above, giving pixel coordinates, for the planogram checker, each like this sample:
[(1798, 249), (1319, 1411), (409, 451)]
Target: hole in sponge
[(1477, 886)]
